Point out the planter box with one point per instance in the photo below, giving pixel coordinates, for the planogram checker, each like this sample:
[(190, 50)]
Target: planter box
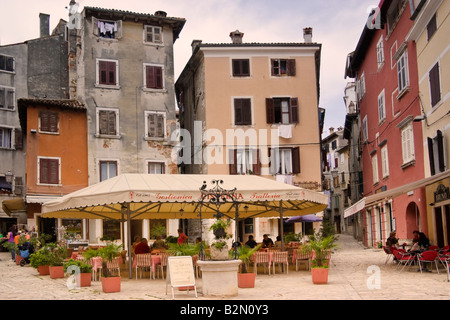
[(319, 275), (111, 284), (84, 279), (43, 270), (246, 280), (56, 272)]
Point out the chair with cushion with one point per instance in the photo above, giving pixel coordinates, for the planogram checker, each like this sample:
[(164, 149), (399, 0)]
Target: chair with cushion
[(143, 261), (302, 257), (403, 258), (280, 257)]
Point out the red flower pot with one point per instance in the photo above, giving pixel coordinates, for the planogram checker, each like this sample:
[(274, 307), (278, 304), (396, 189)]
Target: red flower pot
[(56, 272), (319, 275), (246, 280), (18, 259), (84, 279), (43, 270), (111, 284)]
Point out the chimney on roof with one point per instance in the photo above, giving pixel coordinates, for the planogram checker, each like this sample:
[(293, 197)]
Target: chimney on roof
[(307, 35), (331, 130), (236, 37), (162, 14), (44, 25)]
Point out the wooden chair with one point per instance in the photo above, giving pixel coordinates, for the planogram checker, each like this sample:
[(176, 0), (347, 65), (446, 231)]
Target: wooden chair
[(143, 261), (302, 257), (261, 258), (280, 257)]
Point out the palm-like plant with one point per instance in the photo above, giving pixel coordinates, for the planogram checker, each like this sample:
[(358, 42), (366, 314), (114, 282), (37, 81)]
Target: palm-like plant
[(245, 254), (321, 246), (107, 254)]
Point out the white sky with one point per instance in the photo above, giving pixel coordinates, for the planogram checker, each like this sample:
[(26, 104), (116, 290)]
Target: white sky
[(337, 25)]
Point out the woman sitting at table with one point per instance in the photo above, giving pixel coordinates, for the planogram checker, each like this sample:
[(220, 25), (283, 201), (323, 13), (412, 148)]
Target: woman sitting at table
[(159, 244), (142, 247)]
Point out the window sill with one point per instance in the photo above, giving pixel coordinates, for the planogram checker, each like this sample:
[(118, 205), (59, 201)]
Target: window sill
[(8, 109), (153, 44), (386, 177), (403, 92), (150, 90), (155, 139), (105, 136), (50, 184), (107, 39), (407, 164), (8, 72), (104, 86), (47, 132)]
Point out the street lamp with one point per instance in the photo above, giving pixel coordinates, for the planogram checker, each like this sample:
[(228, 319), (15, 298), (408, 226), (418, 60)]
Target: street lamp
[(9, 176)]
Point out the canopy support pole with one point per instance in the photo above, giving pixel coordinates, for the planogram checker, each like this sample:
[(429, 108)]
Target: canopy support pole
[(281, 226), (130, 262)]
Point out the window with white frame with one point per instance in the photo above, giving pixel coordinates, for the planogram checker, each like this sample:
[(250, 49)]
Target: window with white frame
[(107, 29), (402, 72), (7, 98), (107, 73), (155, 125), (365, 130), (375, 169), (155, 167), (49, 170), (107, 122), (381, 107), (284, 161), (108, 169), (384, 161), (153, 34), (362, 85), (6, 135), (153, 76), (245, 161), (407, 143), (380, 53)]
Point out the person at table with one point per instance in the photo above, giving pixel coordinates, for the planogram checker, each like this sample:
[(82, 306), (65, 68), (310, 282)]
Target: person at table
[(182, 238), (159, 243), (251, 242), (267, 242), (392, 241), (142, 247)]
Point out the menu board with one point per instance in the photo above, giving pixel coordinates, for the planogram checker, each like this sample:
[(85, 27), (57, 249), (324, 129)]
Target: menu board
[(181, 272)]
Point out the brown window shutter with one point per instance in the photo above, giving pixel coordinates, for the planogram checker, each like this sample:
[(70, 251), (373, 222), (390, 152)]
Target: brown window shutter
[(291, 68), (233, 161), (18, 143), (435, 86), (246, 112), (150, 77), (440, 145), (112, 73), (241, 67), (154, 77), (160, 126), (103, 72), (49, 171), (431, 27), (270, 112), (107, 122), (49, 121), (152, 125), (431, 156), (257, 162), (294, 111), (159, 78), (296, 160)]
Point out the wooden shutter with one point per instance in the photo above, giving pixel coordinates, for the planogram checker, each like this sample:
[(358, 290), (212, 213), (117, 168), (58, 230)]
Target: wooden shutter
[(435, 85), (154, 77), (49, 171), (107, 122), (152, 125), (232, 154), (242, 112), (49, 121), (18, 141), (256, 162), (107, 72), (431, 156), (270, 111), (241, 67), (95, 30), (431, 27), (291, 68), (296, 160), (111, 73), (294, 111), (160, 126)]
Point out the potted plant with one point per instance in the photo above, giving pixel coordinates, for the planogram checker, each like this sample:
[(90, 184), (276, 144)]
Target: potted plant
[(57, 256), (219, 248), (41, 260), (110, 283), (246, 279), (12, 246), (84, 274), (319, 267)]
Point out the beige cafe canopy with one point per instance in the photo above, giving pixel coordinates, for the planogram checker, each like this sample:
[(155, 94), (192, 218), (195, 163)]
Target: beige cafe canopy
[(178, 196), (145, 196)]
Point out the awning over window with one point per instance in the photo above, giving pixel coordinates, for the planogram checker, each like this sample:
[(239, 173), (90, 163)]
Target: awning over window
[(13, 205)]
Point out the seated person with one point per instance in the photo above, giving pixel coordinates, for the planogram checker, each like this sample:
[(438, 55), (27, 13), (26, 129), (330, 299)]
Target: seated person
[(251, 242), (159, 243), (392, 241), (267, 242), (142, 247)]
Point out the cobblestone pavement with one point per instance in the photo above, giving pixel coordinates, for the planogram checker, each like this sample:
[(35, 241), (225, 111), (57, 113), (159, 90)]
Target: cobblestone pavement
[(356, 273)]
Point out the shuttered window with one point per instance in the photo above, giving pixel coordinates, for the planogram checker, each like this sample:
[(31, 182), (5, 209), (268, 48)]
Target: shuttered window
[(284, 160), (407, 144), (49, 121), (154, 77), (6, 63), (431, 27), (436, 153), (107, 73), (107, 122), (7, 98), (156, 125), (153, 34), (282, 110), (242, 112), (435, 85), (49, 171), (245, 161), (241, 67)]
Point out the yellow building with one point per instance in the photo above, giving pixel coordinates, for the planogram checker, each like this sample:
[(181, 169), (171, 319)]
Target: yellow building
[(430, 32), (252, 108)]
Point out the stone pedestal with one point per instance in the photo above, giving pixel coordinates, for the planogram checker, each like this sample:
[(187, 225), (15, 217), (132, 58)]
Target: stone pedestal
[(219, 278)]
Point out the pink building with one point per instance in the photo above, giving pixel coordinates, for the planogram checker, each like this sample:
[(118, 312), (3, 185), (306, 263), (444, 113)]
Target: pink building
[(385, 68)]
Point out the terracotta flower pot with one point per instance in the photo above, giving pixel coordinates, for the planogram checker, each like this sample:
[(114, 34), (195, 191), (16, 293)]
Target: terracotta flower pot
[(246, 280), (319, 275), (111, 284), (56, 272), (84, 279), (18, 259), (43, 270)]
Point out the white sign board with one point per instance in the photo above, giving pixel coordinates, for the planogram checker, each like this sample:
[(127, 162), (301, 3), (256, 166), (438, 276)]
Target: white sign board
[(181, 273)]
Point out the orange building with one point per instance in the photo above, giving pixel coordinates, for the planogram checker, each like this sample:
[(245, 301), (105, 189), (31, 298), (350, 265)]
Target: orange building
[(56, 154)]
